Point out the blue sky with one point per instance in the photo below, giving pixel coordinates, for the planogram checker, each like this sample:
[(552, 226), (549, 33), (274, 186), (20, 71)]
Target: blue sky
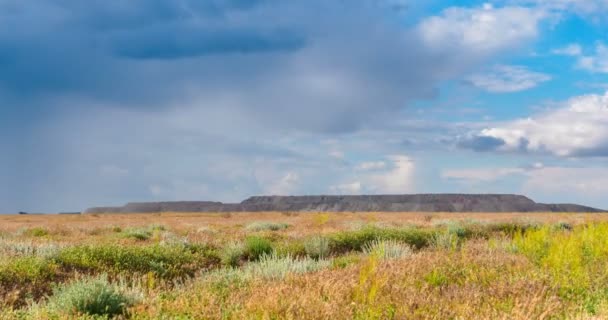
[(106, 102)]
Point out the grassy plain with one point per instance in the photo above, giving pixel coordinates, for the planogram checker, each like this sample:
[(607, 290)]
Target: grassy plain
[(304, 266)]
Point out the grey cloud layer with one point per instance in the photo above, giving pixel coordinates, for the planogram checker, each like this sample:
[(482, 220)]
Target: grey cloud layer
[(114, 101)]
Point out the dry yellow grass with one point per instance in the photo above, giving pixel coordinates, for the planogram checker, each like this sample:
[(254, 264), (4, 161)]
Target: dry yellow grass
[(303, 222)]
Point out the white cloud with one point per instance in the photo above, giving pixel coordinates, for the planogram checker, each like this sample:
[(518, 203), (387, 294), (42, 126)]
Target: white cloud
[(583, 7), (589, 182), (573, 49), (480, 175), (584, 185), (504, 78), (483, 29), (580, 128), (597, 62), (284, 186), (347, 188), (399, 179), (371, 165)]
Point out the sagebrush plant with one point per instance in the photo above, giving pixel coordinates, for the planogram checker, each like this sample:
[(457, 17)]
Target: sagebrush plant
[(10, 248), (317, 247), (388, 249), (273, 267), (92, 296), (266, 226)]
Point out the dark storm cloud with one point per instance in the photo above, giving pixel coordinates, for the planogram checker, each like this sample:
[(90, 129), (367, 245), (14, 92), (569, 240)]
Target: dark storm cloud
[(310, 65), (112, 101)]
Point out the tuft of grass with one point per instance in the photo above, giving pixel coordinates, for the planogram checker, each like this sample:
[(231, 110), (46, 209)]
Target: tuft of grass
[(266, 226), (273, 267), (91, 296), (437, 278), (445, 240), (317, 247), (388, 249), (255, 247)]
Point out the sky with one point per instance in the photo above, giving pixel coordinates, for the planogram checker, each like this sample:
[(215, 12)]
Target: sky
[(107, 102)]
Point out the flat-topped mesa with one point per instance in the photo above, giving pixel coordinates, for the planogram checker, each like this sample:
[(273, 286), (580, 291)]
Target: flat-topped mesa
[(413, 202), (357, 203)]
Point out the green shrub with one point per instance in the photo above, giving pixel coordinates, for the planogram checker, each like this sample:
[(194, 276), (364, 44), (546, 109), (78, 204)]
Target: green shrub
[(345, 241), (512, 228), (93, 296), (388, 249), (266, 226), (317, 247), (165, 261), (138, 234), (344, 261), (23, 270), (36, 232), (257, 246), (25, 278), (445, 240), (290, 247), (232, 254)]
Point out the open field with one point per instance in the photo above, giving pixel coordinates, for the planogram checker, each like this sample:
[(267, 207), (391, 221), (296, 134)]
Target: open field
[(304, 266)]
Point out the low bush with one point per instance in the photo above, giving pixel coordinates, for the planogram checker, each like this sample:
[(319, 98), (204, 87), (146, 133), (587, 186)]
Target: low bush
[(317, 247), (388, 249), (138, 234), (345, 241), (164, 261), (257, 246), (290, 247), (232, 254), (24, 278), (94, 296), (23, 270), (266, 226), (273, 267), (14, 248), (445, 240), (36, 232)]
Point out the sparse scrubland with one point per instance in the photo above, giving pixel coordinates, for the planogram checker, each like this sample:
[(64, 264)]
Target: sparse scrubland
[(304, 266)]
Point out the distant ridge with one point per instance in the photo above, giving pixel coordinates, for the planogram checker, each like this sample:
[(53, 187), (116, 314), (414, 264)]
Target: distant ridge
[(357, 203)]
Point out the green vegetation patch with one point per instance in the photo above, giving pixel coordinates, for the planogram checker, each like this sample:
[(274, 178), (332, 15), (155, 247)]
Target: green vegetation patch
[(346, 241), (163, 260)]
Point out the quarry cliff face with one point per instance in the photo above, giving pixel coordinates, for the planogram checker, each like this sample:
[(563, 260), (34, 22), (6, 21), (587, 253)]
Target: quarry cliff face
[(358, 203)]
